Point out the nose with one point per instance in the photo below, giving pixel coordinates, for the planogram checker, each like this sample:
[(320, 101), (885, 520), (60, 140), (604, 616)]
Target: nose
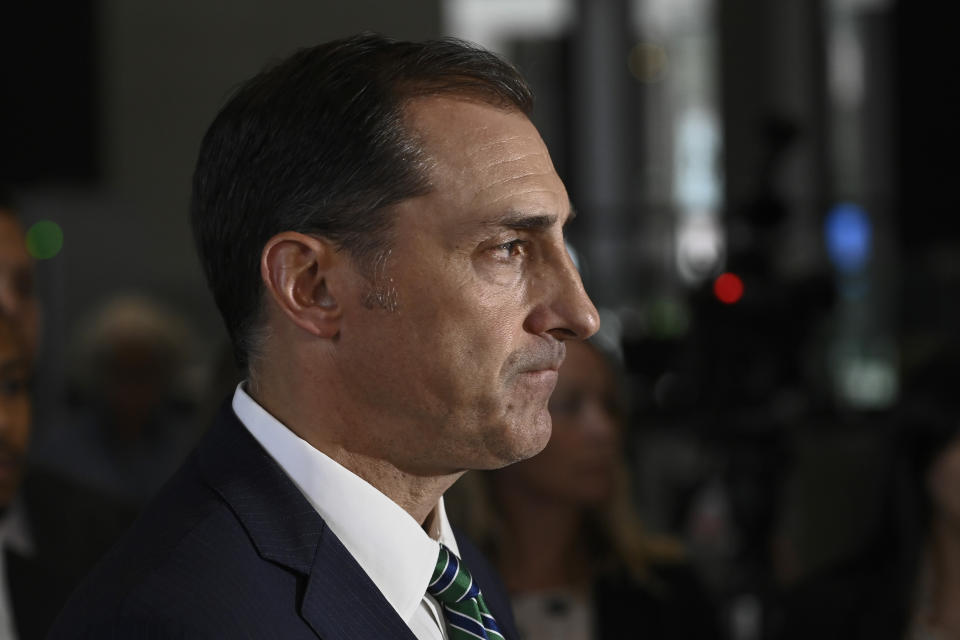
[(564, 311), (599, 426), (9, 301)]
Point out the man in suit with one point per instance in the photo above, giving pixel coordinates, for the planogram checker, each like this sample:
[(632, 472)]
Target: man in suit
[(52, 531), (381, 227)]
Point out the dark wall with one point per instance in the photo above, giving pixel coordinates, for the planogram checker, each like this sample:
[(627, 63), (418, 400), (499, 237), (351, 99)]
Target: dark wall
[(49, 125), (929, 123)]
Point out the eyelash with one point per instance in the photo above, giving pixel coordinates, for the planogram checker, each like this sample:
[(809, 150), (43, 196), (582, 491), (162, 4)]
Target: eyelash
[(512, 247)]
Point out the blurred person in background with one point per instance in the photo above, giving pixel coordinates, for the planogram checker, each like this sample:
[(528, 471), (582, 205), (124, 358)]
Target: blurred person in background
[(51, 531), (904, 582), (14, 435), (935, 593), (563, 532), (131, 417), (17, 297)]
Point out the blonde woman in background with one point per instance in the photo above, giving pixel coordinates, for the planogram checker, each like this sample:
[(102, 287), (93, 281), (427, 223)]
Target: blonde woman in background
[(563, 533)]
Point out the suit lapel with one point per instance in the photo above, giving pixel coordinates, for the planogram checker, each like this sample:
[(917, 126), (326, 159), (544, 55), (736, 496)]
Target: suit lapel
[(340, 601)]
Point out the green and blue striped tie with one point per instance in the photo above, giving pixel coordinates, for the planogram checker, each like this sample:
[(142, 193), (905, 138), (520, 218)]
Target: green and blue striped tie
[(467, 615)]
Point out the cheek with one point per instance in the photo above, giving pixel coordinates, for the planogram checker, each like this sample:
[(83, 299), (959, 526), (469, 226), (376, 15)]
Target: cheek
[(467, 344), (552, 465), (540, 474), (945, 481), (17, 420), (563, 440)]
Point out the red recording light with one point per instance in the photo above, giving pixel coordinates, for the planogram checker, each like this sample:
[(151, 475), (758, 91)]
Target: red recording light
[(728, 288)]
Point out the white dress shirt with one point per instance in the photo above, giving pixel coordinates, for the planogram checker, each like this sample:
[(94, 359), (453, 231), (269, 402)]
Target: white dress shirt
[(390, 546), (15, 536)]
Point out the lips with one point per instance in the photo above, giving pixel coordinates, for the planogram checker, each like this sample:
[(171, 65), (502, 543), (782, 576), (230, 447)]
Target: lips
[(548, 357), (542, 374)]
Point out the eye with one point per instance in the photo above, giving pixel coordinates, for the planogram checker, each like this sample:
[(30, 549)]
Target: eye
[(565, 403), (509, 250), (13, 387)]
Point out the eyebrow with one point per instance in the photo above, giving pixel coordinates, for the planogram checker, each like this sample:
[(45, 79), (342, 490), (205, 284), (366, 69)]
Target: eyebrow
[(522, 222)]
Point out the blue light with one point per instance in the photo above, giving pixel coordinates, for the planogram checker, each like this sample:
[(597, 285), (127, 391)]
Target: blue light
[(848, 235)]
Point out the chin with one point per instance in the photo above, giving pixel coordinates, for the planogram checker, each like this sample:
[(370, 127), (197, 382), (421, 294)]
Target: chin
[(534, 434), (520, 439)]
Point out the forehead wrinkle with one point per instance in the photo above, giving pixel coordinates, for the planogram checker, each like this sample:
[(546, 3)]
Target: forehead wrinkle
[(513, 178), (517, 140), (502, 172), (503, 162), (514, 147), (536, 192)]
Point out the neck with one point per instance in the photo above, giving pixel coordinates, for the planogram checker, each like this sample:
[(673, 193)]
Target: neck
[(417, 495), (534, 561), (362, 447)]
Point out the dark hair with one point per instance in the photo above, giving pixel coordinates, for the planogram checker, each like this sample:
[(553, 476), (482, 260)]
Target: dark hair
[(7, 204), (317, 144)]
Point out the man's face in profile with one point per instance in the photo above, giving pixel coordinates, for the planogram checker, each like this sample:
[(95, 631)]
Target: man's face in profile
[(17, 298), (14, 411), (484, 293)]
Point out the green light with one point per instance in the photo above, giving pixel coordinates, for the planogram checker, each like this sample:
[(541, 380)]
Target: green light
[(668, 318), (44, 239)]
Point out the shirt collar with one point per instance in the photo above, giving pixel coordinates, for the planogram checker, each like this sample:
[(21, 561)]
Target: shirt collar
[(15, 530), (385, 540)]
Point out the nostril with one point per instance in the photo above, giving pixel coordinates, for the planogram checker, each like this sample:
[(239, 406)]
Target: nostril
[(562, 333)]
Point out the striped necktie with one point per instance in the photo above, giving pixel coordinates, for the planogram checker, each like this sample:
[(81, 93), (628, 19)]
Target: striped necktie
[(467, 615)]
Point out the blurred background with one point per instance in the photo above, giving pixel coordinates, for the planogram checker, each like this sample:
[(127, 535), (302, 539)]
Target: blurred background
[(768, 222)]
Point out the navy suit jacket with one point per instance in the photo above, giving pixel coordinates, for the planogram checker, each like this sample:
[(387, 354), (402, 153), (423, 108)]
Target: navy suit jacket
[(231, 549)]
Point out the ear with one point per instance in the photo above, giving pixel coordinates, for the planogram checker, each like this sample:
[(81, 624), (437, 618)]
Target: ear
[(296, 270)]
